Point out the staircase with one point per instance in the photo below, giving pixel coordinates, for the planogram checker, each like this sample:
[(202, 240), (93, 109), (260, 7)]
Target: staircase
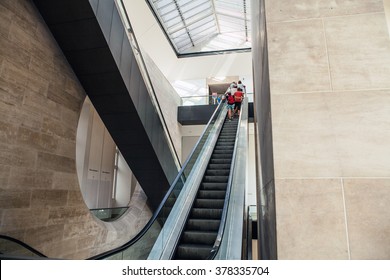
[(200, 231)]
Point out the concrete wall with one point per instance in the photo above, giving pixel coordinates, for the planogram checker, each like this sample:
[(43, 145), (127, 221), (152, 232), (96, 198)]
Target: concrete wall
[(330, 89), (40, 102)]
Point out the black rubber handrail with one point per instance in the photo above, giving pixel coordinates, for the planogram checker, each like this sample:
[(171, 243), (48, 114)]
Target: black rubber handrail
[(21, 243), (161, 206)]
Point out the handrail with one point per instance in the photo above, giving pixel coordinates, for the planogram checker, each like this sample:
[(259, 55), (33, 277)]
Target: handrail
[(161, 206), (146, 75), (21, 243)]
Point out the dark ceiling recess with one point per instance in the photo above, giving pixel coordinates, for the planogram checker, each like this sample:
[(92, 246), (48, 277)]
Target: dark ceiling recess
[(92, 38)]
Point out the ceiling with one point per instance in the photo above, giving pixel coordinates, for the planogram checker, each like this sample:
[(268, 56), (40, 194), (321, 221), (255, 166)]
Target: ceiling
[(204, 26)]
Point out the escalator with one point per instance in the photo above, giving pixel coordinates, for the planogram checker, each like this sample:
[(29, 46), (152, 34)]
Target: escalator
[(215, 212), (120, 95), (203, 223)]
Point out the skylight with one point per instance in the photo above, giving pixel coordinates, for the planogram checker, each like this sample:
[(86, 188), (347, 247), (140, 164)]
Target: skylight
[(204, 26)]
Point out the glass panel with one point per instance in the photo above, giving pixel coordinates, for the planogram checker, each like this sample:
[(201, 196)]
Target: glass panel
[(174, 21), (109, 214), (180, 34), (182, 43), (164, 10), (201, 22), (200, 10), (160, 4)]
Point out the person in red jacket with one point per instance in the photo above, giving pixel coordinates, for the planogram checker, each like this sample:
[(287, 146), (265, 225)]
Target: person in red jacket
[(238, 97), (230, 101)]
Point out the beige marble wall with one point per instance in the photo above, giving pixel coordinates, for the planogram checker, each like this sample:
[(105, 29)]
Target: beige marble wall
[(40, 102), (330, 89)]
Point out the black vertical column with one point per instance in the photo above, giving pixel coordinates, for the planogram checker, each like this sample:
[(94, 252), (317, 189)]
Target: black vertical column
[(266, 212)]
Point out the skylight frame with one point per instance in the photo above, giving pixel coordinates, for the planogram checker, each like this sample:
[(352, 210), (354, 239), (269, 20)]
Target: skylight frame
[(184, 34)]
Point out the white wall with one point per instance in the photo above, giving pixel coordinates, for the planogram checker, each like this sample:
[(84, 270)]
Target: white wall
[(386, 4), (95, 153), (124, 183)]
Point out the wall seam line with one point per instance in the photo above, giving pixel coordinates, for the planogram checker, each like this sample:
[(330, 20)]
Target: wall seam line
[(345, 218), (327, 56)]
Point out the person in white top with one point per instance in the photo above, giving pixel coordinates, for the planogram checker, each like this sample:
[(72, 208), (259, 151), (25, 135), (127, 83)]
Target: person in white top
[(233, 86), (242, 86)]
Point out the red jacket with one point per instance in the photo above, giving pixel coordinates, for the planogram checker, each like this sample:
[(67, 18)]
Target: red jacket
[(238, 95)]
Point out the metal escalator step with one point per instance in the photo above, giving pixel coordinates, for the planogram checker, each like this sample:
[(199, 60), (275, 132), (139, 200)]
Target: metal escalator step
[(199, 237), (205, 213), (221, 160), (193, 252), (225, 141), (223, 151), (217, 172), (221, 156), (211, 194), (220, 166), (217, 179), (203, 224), (209, 203), (213, 186)]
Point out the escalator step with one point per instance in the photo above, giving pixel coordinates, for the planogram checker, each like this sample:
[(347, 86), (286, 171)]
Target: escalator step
[(192, 252), (213, 186), (217, 172), (211, 194), (203, 224), (221, 156), (225, 141), (212, 166), (205, 213), (209, 203), (226, 147), (217, 179), (221, 160), (199, 237), (223, 151)]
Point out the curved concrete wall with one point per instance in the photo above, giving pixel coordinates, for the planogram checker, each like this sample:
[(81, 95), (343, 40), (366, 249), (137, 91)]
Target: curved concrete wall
[(40, 102)]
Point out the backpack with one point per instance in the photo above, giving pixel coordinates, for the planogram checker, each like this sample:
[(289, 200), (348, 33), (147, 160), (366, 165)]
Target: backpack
[(237, 98), (230, 99)]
